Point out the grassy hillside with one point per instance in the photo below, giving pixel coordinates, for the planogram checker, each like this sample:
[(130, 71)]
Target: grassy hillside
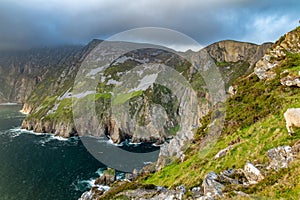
[(254, 124)]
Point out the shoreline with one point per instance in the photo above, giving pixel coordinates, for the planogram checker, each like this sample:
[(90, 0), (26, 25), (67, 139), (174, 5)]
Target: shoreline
[(10, 104)]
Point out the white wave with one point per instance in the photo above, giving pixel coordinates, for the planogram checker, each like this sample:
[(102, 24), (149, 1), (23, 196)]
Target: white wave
[(112, 143), (8, 104), (147, 162), (49, 138), (157, 145), (120, 176), (15, 134), (91, 183), (135, 144), (59, 138)]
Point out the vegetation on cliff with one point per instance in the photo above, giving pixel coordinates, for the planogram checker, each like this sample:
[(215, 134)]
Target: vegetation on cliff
[(254, 124)]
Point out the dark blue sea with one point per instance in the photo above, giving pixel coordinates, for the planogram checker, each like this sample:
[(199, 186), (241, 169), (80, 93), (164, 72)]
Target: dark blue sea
[(43, 167)]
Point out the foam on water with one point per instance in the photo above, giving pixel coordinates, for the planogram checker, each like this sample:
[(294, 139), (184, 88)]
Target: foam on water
[(88, 184)]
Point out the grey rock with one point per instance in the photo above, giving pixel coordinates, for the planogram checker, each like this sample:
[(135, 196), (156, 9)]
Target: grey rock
[(280, 157), (252, 174), (211, 186), (197, 192)]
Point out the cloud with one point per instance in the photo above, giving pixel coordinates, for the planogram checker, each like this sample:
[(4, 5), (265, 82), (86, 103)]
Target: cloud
[(28, 23), (266, 28)]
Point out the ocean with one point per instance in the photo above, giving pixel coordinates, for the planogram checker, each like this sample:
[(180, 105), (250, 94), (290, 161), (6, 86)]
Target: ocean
[(37, 166)]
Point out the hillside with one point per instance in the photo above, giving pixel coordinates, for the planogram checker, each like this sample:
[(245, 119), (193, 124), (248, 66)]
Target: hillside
[(260, 160), (54, 107), (22, 71)]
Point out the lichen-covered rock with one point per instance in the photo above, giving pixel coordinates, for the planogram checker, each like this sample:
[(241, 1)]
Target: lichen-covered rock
[(157, 193), (93, 194), (252, 174), (280, 157), (290, 81), (287, 43), (211, 186)]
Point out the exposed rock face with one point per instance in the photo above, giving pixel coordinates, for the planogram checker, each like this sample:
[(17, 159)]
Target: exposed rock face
[(40, 106), (233, 51), (63, 129), (280, 157), (26, 109), (92, 194), (22, 71), (56, 68), (107, 178), (287, 43)]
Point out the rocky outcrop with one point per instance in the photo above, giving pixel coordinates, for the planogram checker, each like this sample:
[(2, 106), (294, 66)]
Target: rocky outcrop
[(22, 71), (107, 178), (289, 43), (213, 185), (157, 193), (233, 51), (58, 128), (25, 109)]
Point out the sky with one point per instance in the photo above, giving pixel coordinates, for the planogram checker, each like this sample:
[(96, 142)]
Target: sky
[(33, 23)]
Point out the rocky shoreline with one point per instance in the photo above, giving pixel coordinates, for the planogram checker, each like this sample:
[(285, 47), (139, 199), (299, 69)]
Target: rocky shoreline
[(214, 186)]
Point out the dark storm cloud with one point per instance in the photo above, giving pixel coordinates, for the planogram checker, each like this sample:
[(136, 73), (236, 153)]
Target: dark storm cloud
[(27, 23)]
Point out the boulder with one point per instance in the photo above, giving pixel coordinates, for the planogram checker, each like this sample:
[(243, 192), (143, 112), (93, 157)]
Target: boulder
[(280, 157), (211, 186), (252, 174), (197, 192), (290, 81)]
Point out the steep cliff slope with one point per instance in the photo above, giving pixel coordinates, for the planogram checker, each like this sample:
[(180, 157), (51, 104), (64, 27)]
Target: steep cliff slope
[(52, 112), (254, 132), (22, 71)]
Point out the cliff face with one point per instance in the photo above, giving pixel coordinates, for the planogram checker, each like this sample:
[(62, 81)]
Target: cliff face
[(234, 51), (22, 71), (254, 157), (50, 103), (287, 46)]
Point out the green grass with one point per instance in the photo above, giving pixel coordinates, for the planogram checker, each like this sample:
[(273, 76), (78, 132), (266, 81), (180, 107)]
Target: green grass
[(63, 112), (123, 97), (255, 116), (222, 64)]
